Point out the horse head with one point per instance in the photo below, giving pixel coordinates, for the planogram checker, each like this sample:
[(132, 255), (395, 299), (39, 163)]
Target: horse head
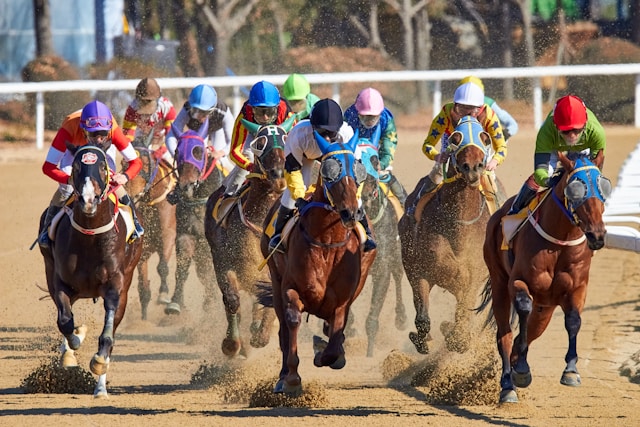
[(90, 177), (468, 143), (191, 159), (340, 176), (268, 149), (138, 186), (584, 190), (370, 189)]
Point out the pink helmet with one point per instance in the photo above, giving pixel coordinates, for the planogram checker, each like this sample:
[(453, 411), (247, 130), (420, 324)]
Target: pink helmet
[(369, 102)]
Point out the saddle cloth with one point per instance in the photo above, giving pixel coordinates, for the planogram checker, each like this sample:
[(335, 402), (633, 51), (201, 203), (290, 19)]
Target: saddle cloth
[(511, 224)]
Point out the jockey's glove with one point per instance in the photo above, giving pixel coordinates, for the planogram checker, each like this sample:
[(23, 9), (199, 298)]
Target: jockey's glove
[(301, 203)]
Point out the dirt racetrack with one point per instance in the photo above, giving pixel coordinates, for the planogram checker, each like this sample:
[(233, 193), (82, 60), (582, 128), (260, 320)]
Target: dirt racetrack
[(153, 361)]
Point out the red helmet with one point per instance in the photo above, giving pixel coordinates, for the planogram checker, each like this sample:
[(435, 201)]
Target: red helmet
[(569, 113)]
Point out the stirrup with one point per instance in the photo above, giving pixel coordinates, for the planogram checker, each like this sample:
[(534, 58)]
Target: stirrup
[(43, 239)]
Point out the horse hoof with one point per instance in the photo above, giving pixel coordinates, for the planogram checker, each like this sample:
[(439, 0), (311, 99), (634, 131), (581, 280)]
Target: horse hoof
[(508, 396), (419, 343), (571, 379), (230, 347), (163, 299), (340, 363), (172, 308), (259, 341), (319, 344), (69, 360), (99, 365), (100, 390), (521, 380)]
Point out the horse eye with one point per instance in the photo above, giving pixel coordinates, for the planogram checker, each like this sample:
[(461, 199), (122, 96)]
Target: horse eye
[(331, 169), (604, 185), (575, 190)]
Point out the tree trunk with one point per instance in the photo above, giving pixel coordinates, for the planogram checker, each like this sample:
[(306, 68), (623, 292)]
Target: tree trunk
[(634, 18), (507, 55), (188, 50), (423, 54), (42, 26)]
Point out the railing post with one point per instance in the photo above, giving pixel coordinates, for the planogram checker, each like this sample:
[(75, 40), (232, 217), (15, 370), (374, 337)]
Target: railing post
[(537, 103), (637, 106), (39, 120), (237, 102), (336, 92), (437, 97)]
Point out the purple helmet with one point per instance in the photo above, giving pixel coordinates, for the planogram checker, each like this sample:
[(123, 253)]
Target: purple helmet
[(96, 116)]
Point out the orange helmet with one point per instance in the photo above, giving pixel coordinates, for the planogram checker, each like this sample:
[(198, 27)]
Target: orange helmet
[(569, 113)]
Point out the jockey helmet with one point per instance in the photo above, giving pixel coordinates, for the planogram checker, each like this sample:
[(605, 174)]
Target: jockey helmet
[(469, 94), (369, 102), (96, 116), (147, 94), (296, 87), (473, 79), (569, 113), (326, 114), (264, 94), (203, 97)]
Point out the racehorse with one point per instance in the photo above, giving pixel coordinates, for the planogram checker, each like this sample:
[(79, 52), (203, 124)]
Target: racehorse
[(444, 247), (234, 238), (149, 191), (324, 266), (198, 177), (90, 258), (545, 265), (383, 216)]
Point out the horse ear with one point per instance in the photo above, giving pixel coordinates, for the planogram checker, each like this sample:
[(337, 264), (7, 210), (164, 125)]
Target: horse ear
[(177, 132), (203, 130), (72, 148), (251, 127), (353, 142), (288, 124), (323, 144)]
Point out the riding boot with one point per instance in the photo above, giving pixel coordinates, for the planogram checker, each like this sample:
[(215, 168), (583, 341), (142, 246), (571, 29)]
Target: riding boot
[(369, 244), (139, 231), (523, 198), (284, 214), (398, 190), (427, 187), (43, 239)]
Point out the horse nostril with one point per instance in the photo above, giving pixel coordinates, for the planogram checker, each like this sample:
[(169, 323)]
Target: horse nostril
[(346, 215)]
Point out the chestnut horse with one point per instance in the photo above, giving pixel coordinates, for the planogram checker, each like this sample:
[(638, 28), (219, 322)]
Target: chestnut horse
[(198, 177), (545, 265), (234, 238), (90, 258), (324, 267), (149, 191), (444, 247), (383, 217)]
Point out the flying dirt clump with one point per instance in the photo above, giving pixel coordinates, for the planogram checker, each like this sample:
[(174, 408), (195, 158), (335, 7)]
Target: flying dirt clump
[(52, 378), (313, 396)]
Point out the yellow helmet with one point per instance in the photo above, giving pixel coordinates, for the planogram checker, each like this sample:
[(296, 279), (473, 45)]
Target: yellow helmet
[(473, 79)]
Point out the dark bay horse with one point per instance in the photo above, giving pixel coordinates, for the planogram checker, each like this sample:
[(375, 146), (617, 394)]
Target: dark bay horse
[(149, 191), (378, 203), (198, 178), (90, 258), (545, 265), (234, 238), (444, 247), (324, 267)]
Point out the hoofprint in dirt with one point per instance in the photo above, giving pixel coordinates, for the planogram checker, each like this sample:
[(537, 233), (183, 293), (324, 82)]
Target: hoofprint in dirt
[(151, 381)]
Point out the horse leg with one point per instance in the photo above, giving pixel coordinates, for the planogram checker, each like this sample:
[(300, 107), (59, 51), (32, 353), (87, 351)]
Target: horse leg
[(262, 324), (167, 218), (523, 304), (206, 274), (184, 255), (401, 313), (291, 384), (419, 339), (144, 287), (380, 279), (163, 272), (332, 353), (68, 356), (228, 284), (501, 306), (572, 323)]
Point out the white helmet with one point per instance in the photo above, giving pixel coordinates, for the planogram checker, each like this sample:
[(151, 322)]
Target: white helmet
[(469, 94)]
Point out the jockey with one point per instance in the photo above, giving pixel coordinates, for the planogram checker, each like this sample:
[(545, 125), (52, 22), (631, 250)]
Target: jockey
[(375, 123), (508, 123), (93, 125), (148, 118), (264, 107), (203, 106), (571, 127), (468, 100), (297, 92), (302, 151)]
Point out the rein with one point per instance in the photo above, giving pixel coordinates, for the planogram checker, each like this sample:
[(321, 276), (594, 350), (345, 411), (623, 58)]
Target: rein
[(99, 230), (534, 223), (309, 239)]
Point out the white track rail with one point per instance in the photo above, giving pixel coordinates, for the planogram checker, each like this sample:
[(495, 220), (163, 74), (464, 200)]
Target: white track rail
[(623, 207)]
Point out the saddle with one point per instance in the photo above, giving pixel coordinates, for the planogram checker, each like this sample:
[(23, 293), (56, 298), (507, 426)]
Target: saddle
[(224, 205), (397, 206), (511, 224)]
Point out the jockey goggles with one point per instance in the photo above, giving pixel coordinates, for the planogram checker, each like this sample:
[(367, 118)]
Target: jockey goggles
[(467, 110), (198, 114), (95, 122), (260, 113), (368, 120)]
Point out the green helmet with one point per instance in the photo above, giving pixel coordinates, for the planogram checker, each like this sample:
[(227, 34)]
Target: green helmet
[(296, 87)]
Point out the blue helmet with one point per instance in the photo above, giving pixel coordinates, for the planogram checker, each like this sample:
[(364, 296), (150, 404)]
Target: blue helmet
[(264, 94), (203, 97), (96, 116)]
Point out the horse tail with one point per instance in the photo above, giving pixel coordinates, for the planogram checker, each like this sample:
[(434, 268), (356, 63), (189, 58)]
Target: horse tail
[(484, 303), (264, 293)]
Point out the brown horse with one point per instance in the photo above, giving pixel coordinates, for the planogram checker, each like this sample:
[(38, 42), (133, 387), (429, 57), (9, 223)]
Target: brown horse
[(444, 247), (198, 178), (384, 217), (234, 238), (90, 258), (149, 191), (324, 267), (545, 265)]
